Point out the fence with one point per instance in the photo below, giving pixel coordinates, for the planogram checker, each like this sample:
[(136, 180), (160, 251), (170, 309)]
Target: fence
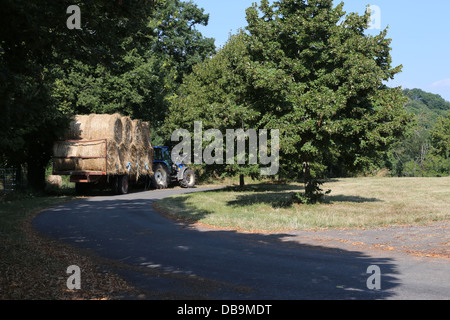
[(11, 179), (7, 179)]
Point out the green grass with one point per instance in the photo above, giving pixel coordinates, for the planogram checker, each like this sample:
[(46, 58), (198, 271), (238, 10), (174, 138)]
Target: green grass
[(355, 202)]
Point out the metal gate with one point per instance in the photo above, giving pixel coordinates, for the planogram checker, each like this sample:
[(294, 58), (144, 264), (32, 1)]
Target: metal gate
[(8, 181)]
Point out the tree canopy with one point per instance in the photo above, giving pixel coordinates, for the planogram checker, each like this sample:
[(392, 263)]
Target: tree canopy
[(422, 151), (127, 57), (309, 70)]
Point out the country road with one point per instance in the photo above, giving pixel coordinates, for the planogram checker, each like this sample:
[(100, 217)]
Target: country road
[(166, 259)]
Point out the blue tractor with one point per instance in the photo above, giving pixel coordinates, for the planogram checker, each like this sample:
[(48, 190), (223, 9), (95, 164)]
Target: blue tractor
[(167, 172)]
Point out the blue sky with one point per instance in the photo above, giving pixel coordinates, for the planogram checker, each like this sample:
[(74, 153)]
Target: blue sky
[(420, 33)]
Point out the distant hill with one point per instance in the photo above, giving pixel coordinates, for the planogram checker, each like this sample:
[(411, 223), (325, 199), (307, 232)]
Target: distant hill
[(426, 106)]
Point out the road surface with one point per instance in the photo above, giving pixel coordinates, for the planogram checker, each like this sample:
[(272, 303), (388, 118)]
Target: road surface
[(166, 259)]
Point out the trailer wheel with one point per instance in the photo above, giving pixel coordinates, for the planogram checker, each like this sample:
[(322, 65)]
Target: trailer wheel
[(82, 188), (121, 185), (161, 177), (188, 179)]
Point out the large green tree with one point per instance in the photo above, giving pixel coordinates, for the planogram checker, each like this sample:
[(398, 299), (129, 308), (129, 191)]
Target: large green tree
[(321, 79), (215, 94), (312, 72), (148, 56)]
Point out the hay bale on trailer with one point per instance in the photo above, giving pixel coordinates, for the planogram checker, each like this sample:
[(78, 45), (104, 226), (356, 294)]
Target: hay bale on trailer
[(136, 132), (105, 126), (127, 126), (82, 155), (104, 145), (77, 128)]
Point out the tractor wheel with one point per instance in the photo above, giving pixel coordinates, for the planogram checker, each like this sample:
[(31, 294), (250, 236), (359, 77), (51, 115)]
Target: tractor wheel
[(161, 177), (121, 185), (188, 179)]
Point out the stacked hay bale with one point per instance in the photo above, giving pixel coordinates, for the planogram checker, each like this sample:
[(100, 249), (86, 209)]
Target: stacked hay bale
[(127, 149)]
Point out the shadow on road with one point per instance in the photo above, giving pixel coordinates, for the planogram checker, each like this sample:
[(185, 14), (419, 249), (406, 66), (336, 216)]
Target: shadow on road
[(168, 259)]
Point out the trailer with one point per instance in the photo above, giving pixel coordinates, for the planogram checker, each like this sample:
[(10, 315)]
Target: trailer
[(106, 151), (114, 151)]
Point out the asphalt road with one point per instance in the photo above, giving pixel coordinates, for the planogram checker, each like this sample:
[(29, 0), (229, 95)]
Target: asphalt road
[(168, 259)]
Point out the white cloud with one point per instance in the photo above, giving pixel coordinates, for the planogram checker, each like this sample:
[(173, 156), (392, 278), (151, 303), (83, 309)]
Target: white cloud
[(444, 83), (441, 87)]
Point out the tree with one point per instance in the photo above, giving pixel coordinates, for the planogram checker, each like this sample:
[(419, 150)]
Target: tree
[(179, 42), (440, 136), (145, 58), (421, 152), (148, 57), (113, 63), (427, 107), (321, 81), (214, 93), (29, 125)]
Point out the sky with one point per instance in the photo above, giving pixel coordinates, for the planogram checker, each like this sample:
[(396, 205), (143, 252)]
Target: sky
[(420, 33)]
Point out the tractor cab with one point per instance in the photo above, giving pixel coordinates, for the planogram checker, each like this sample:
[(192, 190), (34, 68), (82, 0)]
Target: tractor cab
[(167, 172), (162, 155)]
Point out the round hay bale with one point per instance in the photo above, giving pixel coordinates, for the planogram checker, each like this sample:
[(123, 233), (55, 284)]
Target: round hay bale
[(105, 126), (146, 134), (76, 152), (79, 149), (123, 158), (64, 149), (146, 160), (143, 165), (137, 133), (77, 128), (54, 180), (133, 159), (111, 165), (127, 127), (60, 165), (114, 166)]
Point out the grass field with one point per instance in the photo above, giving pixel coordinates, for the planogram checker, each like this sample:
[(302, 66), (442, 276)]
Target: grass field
[(353, 203)]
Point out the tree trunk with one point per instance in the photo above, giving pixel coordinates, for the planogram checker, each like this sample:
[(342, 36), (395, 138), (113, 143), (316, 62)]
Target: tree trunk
[(36, 176), (19, 178), (241, 180), (307, 177)]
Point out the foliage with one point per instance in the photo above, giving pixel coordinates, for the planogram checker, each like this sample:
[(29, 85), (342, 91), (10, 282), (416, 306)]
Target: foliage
[(440, 136), (149, 57), (310, 71), (119, 61), (324, 83), (215, 93), (424, 149)]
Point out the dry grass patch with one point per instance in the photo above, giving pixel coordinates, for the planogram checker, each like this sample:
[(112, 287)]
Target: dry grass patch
[(356, 202)]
